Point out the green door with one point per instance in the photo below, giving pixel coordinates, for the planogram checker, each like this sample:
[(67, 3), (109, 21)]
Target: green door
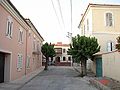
[(99, 67)]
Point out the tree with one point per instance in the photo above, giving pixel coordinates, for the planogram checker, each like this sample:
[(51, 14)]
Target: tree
[(83, 48), (48, 51), (118, 43)]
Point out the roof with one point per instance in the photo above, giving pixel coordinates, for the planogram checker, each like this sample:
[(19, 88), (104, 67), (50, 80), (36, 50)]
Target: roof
[(35, 28), (23, 17), (96, 5), (17, 11), (61, 44)]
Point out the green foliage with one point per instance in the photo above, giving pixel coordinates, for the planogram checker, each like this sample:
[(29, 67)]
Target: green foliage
[(48, 50), (118, 39), (83, 47), (118, 43)]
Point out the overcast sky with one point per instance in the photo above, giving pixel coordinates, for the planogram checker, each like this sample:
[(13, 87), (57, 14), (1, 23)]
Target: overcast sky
[(52, 27)]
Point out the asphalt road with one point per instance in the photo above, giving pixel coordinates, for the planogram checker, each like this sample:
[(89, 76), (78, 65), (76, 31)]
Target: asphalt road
[(58, 78)]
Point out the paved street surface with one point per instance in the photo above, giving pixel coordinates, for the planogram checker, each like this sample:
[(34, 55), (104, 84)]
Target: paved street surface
[(58, 78)]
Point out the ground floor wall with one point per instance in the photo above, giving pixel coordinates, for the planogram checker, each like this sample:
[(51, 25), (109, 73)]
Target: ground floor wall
[(10, 70), (111, 65), (62, 60), (93, 66), (103, 42)]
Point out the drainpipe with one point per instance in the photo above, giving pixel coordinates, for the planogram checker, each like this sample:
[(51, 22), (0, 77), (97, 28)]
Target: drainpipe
[(26, 53)]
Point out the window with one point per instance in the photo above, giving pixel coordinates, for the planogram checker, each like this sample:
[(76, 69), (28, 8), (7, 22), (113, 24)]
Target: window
[(110, 46), (19, 62), (38, 48), (9, 27), (109, 19), (34, 45), (20, 36), (63, 50), (29, 33), (84, 30), (69, 58), (64, 58), (87, 25), (28, 62)]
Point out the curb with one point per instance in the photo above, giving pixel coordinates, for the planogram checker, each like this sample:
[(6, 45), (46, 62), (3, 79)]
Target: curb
[(96, 83), (99, 85), (76, 69), (29, 80)]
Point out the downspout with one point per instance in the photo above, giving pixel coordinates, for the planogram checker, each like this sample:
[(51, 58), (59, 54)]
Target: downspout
[(26, 53)]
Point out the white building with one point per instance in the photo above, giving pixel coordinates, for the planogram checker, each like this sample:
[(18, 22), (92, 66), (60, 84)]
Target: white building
[(62, 58)]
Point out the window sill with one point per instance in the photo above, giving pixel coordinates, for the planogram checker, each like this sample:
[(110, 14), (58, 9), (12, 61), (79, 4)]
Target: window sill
[(9, 37), (20, 42), (19, 69), (28, 68)]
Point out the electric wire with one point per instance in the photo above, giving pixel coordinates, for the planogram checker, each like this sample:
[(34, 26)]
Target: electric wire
[(71, 14), (61, 13), (55, 12)]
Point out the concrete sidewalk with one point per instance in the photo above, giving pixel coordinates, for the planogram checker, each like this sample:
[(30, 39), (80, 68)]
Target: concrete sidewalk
[(102, 83), (17, 84), (105, 83)]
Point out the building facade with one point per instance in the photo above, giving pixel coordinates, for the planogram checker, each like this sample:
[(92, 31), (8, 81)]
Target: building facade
[(101, 21), (62, 58), (107, 25), (17, 37)]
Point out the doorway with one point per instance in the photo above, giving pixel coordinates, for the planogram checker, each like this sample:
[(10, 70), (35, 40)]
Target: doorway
[(58, 59), (2, 65), (99, 67)]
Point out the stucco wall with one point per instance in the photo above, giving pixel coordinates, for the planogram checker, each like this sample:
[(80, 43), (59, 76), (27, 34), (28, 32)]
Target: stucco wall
[(111, 65), (12, 45), (99, 19), (93, 66), (103, 39)]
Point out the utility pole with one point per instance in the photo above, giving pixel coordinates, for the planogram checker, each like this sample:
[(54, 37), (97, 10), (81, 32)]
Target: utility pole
[(69, 35), (70, 39)]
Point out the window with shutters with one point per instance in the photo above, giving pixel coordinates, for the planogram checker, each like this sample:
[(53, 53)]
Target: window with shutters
[(9, 28), (28, 62), (109, 19), (20, 39), (110, 46), (34, 44), (19, 62)]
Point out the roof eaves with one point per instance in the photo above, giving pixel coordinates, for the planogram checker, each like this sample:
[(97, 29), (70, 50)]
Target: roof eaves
[(84, 14), (35, 28), (17, 11)]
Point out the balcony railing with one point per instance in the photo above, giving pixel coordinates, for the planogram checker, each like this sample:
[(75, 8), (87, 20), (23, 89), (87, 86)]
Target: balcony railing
[(37, 52)]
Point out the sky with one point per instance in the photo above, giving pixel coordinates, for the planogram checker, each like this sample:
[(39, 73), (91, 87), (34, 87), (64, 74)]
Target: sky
[(52, 18)]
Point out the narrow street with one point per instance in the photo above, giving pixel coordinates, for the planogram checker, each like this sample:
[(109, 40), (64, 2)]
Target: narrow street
[(58, 78)]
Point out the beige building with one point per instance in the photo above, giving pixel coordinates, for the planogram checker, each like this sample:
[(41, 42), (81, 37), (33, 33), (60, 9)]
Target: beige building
[(102, 22), (62, 58), (20, 44)]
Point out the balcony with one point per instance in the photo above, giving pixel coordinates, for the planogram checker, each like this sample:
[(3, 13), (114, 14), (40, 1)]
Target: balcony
[(36, 52), (58, 51)]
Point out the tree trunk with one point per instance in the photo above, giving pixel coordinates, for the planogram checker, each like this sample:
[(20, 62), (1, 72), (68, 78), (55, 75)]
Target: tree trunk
[(83, 67), (46, 63)]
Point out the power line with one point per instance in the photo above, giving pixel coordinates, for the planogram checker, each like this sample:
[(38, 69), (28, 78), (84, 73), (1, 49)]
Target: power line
[(71, 13), (61, 13), (55, 12)]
